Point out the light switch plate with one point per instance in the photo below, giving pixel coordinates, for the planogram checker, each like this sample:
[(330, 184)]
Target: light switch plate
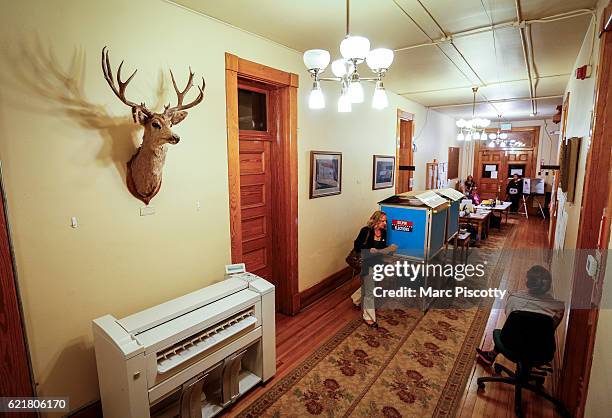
[(147, 210)]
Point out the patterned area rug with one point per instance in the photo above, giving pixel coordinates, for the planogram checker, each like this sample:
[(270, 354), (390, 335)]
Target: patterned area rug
[(412, 365)]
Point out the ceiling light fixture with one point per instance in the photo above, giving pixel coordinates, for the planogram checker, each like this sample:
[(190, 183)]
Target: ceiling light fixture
[(354, 50), (500, 139), (473, 128)]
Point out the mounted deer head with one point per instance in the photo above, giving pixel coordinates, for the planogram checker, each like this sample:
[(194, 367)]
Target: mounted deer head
[(144, 170)]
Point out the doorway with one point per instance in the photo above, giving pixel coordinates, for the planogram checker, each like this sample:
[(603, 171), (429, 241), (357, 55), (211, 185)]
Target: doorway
[(404, 152), (15, 376), (494, 166), (262, 172)]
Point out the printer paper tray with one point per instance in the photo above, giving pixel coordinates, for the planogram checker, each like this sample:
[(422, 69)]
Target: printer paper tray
[(168, 386)]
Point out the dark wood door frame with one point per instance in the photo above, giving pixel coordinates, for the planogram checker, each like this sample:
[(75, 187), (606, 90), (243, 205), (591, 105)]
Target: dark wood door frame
[(15, 371), (593, 236), (403, 116), (285, 243)]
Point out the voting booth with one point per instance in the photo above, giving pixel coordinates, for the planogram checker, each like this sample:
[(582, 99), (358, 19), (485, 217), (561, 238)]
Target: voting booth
[(454, 198), (416, 223)]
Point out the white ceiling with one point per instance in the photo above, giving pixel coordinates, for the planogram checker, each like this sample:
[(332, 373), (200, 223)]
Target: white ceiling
[(435, 76)]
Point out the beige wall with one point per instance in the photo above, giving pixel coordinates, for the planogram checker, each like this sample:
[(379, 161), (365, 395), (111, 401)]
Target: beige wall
[(64, 141)]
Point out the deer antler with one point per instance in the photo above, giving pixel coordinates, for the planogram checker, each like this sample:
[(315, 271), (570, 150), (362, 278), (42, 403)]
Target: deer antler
[(120, 92), (181, 94)]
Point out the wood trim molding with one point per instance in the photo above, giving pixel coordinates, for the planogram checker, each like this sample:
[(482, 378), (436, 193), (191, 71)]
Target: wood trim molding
[(259, 72), (331, 282), (284, 91)]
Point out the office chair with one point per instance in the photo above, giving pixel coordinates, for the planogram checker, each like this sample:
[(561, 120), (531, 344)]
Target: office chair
[(527, 339)]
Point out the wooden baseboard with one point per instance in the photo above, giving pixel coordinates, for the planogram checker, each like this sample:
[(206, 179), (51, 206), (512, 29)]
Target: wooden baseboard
[(92, 410), (314, 293)]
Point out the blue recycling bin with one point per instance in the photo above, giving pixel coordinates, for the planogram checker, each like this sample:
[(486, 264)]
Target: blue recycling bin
[(418, 230)]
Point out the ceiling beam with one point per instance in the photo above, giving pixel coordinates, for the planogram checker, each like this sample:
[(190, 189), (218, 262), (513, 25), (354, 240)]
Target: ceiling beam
[(504, 25), (494, 83), (519, 18), (513, 99)]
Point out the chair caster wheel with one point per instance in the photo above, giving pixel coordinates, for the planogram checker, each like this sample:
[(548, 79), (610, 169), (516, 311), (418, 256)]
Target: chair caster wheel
[(481, 386), (497, 368)]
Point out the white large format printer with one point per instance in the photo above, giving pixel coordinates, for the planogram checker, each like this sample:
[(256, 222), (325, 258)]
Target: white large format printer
[(188, 357)]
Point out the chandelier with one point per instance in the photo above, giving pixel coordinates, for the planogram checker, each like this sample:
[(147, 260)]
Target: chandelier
[(354, 50), (474, 128)]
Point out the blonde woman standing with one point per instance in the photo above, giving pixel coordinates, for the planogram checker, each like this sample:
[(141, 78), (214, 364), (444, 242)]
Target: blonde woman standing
[(371, 243)]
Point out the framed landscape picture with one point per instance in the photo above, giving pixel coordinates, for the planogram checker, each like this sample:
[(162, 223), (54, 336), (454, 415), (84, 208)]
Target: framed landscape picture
[(383, 175), (325, 173)]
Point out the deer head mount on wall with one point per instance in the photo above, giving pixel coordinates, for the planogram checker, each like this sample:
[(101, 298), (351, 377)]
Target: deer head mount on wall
[(144, 170)]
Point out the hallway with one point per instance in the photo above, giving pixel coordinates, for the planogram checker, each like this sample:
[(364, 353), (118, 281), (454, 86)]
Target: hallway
[(299, 336)]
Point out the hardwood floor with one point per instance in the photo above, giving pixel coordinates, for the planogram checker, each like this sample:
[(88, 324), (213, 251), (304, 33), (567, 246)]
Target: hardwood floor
[(300, 335)]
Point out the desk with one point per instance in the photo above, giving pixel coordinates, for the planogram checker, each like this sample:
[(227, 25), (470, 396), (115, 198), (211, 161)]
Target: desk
[(503, 207), (478, 219)]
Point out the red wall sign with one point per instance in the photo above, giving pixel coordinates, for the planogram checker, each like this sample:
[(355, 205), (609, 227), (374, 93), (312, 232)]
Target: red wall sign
[(400, 225)]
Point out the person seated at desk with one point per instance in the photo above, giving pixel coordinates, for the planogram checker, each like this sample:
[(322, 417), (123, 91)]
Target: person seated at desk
[(469, 185), (514, 190), (537, 298)]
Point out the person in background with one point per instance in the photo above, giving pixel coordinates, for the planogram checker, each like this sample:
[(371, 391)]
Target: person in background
[(514, 191), (475, 196), (371, 243), (537, 298), (469, 185)]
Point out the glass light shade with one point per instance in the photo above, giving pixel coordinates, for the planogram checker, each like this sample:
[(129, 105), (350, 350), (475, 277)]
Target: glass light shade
[(344, 103), (483, 136), (316, 100), (460, 136), (468, 137), (503, 135), (379, 99), (339, 67), (379, 59), (316, 59), (460, 123), (492, 136), (491, 144), (476, 135), (355, 47), (356, 92)]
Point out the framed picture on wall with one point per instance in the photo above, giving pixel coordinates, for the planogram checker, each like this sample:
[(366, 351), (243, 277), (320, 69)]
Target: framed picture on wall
[(325, 173), (383, 172)]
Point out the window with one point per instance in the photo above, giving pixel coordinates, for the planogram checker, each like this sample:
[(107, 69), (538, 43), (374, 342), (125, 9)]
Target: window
[(489, 171), (252, 112), (516, 169)]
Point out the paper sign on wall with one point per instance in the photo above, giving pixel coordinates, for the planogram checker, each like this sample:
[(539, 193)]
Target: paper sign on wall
[(493, 174), (490, 167)]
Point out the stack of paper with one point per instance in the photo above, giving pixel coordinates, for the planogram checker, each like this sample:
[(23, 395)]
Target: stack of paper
[(431, 199)]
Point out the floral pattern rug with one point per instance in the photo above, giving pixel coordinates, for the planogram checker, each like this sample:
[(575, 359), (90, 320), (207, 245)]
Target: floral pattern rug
[(412, 365)]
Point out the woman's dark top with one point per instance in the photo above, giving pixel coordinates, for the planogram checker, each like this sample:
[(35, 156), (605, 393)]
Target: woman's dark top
[(514, 189), (469, 186), (365, 239)]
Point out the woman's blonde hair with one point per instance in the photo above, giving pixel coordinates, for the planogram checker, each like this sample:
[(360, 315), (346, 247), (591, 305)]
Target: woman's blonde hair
[(375, 218)]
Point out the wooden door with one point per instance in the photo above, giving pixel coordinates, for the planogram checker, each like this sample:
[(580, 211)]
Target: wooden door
[(15, 377), (489, 169), (493, 167), (404, 159), (257, 131), (256, 207)]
